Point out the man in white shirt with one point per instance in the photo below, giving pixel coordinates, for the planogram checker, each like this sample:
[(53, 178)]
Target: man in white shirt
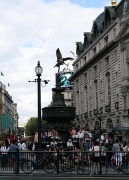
[(69, 144), (102, 138), (80, 135), (23, 145)]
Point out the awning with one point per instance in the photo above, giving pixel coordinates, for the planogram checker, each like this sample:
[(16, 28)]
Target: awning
[(119, 128)]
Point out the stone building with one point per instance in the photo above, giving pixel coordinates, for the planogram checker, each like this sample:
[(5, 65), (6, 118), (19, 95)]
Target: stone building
[(8, 112), (101, 73)]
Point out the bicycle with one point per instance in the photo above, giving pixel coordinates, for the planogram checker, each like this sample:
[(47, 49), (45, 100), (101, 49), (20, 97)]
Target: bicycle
[(119, 167), (49, 166), (83, 168)]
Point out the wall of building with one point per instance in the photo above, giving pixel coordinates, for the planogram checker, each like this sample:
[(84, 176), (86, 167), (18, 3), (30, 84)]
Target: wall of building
[(101, 80)]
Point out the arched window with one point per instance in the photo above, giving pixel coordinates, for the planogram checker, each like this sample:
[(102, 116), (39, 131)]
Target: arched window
[(97, 125), (96, 93), (117, 122), (108, 90), (86, 99), (109, 124)]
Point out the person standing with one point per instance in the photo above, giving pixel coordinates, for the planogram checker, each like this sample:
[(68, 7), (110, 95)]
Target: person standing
[(80, 136), (73, 132), (49, 134), (4, 150), (23, 145), (13, 155), (102, 138), (12, 137), (117, 150), (96, 158), (87, 141), (36, 140)]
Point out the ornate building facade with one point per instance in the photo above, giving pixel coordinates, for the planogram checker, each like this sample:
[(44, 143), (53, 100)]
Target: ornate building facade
[(101, 73), (8, 113)]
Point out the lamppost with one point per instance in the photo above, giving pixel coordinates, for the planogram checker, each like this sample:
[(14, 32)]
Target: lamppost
[(99, 114), (38, 71)]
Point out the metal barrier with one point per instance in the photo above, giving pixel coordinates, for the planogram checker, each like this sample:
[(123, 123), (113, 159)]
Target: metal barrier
[(70, 162)]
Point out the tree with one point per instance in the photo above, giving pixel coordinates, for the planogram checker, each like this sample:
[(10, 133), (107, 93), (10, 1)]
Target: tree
[(32, 126)]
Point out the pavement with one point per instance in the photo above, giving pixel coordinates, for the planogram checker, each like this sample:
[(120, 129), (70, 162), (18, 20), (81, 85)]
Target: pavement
[(15, 177)]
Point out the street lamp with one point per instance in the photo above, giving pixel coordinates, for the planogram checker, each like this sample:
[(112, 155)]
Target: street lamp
[(99, 114), (38, 71)]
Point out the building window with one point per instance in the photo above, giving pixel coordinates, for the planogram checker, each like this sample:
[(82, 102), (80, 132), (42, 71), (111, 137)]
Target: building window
[(118, 122), (76, 66), (125, 103), (90, 92), (114, 32), (85, 77), (101, 86), (109, 89), (115, 54), (110, 124), (94, 51), (100, 65), (89, 73), (117, 98), (107, 61), (89, 55), (116, 77), (86, 99), (80, 63), (99, 46), (96, 94), (71, 96), (95, 70), (106, 40), (77, 104), (84, 59), (101, 103), (77, 84)]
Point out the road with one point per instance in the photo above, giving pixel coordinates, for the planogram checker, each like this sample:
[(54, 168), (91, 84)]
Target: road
[(60, 178)]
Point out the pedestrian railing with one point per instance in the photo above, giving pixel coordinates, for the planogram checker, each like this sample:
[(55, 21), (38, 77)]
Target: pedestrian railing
[(70, 162)]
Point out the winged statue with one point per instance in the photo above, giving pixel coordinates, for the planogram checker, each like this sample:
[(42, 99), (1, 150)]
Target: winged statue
[(61, 60)]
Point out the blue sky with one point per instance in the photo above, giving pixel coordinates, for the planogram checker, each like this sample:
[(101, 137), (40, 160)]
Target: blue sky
[(86, 3), (32, 30)]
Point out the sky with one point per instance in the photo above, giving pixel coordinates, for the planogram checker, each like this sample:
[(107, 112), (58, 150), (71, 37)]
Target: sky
[(32, 30)]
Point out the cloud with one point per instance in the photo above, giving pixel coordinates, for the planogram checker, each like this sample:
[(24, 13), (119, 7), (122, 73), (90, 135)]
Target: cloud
[(32, 30)]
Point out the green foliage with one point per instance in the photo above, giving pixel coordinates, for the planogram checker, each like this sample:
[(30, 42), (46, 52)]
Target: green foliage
[(32, 125)]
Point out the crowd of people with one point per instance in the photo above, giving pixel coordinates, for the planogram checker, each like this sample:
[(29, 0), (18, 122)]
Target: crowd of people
[(77, 141)]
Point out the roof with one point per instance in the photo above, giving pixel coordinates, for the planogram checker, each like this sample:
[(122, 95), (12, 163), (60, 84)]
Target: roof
[(100, 18)]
